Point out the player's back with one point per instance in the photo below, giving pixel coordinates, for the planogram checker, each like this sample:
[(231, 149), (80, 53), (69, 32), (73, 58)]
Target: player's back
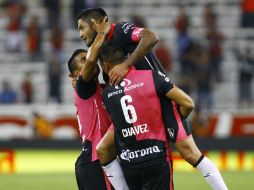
[(134, 108)]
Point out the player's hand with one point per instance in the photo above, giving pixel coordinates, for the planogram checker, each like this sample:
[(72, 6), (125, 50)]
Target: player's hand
[(102, 27), (73, 79), (117, 73)]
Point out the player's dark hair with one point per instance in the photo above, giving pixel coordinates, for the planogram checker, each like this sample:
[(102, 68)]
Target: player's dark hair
[(111, 53), (91, 13), (72, 65)]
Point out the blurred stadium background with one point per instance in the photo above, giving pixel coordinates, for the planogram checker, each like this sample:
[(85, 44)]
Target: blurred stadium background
[(206, 48)]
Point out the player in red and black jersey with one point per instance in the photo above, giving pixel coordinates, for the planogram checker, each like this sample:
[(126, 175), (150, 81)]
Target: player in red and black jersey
[(137, 43), (135, 110)]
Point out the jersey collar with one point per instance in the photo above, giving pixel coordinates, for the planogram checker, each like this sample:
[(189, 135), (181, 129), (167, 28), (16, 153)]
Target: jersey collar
[(110, 34)]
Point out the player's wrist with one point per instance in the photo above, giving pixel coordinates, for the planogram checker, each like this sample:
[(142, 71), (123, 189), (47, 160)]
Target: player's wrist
[(129, 62), (102, 33)]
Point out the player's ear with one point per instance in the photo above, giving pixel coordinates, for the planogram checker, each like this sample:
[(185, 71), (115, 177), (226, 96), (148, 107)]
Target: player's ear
[(93, 24), (75, 73)]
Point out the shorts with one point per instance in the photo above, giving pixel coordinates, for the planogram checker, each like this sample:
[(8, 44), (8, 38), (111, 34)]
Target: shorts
[(177, 128), (153, 177), (90, 176)]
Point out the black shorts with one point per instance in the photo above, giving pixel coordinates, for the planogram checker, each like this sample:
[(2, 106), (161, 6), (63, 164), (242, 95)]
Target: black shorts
[(177, 128), (154, 177), (90, 176)]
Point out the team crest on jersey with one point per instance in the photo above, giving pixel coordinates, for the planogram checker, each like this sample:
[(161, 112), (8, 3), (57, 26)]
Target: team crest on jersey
[(171, 133)]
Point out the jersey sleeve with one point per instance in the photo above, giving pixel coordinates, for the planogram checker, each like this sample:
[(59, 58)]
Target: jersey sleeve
[(128, 32), (162, 83), (85, 89)]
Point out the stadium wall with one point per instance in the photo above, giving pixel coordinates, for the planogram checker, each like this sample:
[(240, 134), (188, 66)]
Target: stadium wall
[(228, 140), (18, 122)]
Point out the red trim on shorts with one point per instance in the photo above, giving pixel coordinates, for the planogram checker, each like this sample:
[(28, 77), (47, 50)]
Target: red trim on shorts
[(171, 183), (181, 130), (170, 164), (183, 138)]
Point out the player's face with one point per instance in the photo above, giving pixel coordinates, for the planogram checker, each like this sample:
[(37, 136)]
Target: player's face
[(86, 32), (80, 60)]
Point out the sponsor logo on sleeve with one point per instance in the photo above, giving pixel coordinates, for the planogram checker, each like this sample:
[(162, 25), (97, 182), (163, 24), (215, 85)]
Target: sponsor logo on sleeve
[(163, 75), (126, 27), (136, 32)]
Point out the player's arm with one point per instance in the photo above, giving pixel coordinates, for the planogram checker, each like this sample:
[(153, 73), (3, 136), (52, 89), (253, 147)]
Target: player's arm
[(93, 51), (164, 87), (105, 149), (145, 40), (184, 101)]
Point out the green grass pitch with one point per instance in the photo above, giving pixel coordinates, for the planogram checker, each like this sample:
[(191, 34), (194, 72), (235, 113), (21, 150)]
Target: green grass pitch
[(54, 170), (66, 181)]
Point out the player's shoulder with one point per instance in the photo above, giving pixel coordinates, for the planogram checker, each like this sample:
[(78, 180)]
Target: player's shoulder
[(137, 72), (137, 75), (107, 89), (124, 26), (160, 75), (111, 91), (142, 72)]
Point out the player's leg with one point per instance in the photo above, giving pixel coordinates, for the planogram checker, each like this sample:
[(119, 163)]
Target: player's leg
[(78, 172), (158, 176), (211, 173), (90, 176), (110, 164), (105, 149), (133, 177), (179, 133), (188, 149)]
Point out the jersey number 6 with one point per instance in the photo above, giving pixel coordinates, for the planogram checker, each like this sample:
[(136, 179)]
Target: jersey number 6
[(128, 110)]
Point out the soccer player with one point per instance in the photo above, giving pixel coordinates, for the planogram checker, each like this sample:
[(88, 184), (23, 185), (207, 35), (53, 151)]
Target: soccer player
[(92, 117), (140, 140), (137, 43)]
